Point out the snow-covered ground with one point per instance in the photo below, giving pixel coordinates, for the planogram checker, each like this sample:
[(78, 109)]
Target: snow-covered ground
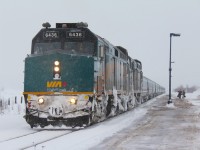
[(104, 135)]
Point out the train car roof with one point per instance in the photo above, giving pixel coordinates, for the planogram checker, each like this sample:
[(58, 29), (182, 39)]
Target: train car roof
[(138, 61), (123, 50)]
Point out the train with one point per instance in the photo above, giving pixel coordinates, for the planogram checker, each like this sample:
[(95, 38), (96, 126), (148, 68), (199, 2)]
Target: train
[(74, 77)]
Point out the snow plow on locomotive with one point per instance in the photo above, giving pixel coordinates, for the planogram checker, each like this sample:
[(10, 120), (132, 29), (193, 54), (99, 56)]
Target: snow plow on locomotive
[(74, 77)]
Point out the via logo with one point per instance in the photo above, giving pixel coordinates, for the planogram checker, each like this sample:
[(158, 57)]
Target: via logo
[(56, 84)]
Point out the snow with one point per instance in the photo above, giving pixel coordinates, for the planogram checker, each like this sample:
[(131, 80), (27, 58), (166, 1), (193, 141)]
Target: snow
[(194, 97), (171, 105), (13, 124), (92, 136)]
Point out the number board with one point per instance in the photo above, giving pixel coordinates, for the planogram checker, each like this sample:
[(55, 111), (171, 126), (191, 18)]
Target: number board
[(51, 34), (75, 34)]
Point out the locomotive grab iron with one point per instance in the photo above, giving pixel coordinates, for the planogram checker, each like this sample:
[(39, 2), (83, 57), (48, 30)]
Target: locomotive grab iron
[(74, 77)]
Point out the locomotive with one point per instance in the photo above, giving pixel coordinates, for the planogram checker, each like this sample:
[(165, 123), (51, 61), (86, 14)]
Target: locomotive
[(74, 77)]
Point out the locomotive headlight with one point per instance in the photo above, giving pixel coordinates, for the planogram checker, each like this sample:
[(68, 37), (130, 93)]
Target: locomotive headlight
[(40, 101), (56, 63), (73, 101), (56, 69)]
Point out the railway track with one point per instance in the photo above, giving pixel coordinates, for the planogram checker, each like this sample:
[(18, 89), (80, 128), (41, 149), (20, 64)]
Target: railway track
[(33, 139), (9, 139)]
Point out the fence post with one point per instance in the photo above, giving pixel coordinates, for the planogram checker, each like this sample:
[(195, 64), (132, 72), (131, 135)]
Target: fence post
[(9, 101), (1, 106), (15, 99)]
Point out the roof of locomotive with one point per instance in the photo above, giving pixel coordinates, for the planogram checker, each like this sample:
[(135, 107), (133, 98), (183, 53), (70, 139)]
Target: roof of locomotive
[(123, 50), (81, 25)]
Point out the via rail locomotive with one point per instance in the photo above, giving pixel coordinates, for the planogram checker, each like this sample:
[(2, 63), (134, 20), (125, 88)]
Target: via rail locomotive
[(74, 77)]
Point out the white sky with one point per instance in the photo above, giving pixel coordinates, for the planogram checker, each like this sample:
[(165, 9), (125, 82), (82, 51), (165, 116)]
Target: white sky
[(140, 26)]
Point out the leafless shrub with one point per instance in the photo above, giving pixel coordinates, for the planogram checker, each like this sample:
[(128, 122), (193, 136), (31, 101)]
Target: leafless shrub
[(187, 88)]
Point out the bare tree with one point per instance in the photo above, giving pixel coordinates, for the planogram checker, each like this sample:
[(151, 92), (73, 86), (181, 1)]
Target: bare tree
[(187, 88)]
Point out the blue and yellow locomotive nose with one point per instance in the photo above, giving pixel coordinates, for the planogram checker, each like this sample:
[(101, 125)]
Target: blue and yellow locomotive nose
[(59, 73)]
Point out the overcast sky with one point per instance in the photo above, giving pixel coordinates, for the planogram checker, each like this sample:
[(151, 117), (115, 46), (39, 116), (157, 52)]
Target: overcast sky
[(140, 26)]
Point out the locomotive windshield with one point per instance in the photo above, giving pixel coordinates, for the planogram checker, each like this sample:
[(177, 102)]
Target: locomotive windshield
[(71, 47), (79, 47), (40, 48)]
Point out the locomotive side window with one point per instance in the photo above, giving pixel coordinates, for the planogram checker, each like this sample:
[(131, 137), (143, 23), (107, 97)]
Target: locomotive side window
[(116, 53), (40, 48), (102, 51), (80, 47)]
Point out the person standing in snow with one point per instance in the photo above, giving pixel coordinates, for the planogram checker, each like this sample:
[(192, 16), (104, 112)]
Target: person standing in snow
[(183, 93), (179, 94)]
